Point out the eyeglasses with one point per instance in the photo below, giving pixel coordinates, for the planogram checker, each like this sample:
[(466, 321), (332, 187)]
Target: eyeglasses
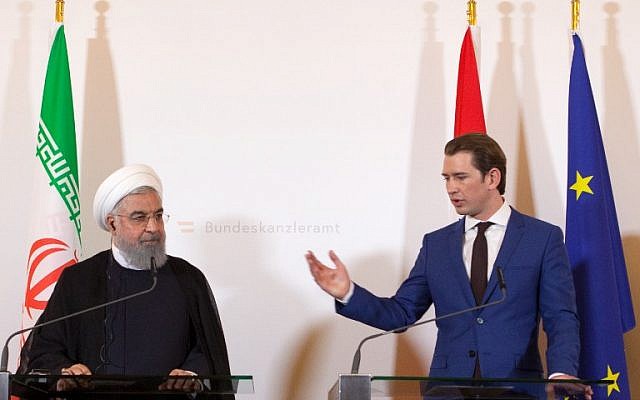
[(143, 219)]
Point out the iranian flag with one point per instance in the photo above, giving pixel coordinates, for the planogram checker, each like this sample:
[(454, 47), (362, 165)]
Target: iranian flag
[(55, 215)]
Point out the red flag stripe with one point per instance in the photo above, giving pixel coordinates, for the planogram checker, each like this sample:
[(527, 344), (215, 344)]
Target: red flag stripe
[(469, 115)]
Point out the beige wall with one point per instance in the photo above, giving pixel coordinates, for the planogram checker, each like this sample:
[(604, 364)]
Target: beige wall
[(323, 113)]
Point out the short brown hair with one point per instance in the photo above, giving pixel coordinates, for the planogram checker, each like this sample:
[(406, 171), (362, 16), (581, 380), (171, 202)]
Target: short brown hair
[(486, 154)]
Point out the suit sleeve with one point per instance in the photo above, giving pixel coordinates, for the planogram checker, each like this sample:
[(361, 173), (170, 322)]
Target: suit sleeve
[(558, 308), (410, 302)]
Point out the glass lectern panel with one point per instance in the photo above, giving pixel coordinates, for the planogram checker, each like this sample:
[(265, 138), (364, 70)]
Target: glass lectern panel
[(424, 388), (111, 386), (366, 387)]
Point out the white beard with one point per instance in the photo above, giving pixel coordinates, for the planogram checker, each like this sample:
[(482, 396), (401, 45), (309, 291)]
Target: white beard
[(140, 255)]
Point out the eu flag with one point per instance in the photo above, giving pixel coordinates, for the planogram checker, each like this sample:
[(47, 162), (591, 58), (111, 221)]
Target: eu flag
[(594, 244)]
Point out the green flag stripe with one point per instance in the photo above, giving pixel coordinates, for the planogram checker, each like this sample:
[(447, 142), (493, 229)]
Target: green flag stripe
[(56, 142)]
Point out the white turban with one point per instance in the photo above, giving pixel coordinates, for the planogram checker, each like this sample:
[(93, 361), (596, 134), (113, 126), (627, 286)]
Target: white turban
[(118, 185)]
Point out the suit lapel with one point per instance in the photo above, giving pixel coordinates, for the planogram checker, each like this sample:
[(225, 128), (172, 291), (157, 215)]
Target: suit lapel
[(512, 236), (459, 270)]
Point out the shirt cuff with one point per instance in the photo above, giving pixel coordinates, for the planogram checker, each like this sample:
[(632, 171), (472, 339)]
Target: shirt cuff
[(349, 294), (555, 374)]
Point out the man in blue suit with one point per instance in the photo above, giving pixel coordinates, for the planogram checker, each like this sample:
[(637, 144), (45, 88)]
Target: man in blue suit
[(456, 269)]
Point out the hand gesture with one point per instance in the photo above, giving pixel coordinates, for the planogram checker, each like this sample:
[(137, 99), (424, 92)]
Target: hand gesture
[(334, 281)]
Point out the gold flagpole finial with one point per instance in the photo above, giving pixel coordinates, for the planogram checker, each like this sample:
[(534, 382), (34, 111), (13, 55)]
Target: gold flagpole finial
[(471, 12), (575, 15), (60, 11)]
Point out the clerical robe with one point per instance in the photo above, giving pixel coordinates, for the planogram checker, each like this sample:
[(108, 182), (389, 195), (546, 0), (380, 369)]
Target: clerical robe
[(85, 338)]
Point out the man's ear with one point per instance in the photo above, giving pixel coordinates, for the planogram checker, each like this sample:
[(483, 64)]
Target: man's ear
[(495, 177), (111, 223)]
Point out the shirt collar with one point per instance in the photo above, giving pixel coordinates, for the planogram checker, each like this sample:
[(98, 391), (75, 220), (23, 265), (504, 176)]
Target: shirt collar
[(500, 217)]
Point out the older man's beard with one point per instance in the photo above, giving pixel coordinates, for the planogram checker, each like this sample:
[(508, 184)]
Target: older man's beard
[(139, 254)]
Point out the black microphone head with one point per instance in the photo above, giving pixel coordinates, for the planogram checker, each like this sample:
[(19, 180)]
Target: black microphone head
[(355, 364), (152, 267), (4, 362), (501, 281)]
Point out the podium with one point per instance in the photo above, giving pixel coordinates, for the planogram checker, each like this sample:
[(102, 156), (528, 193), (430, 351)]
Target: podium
[(369, 387), (44, 387)]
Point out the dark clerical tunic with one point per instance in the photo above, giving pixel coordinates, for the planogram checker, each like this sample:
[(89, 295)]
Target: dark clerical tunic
[(175, 326), (136, 345)]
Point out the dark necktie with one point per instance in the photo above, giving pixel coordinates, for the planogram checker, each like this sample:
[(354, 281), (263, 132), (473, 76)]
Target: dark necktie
[(479, 263)]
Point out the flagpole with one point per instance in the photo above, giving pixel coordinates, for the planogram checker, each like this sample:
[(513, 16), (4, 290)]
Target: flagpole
[(575, 15), (471, 12), (475, 29), (59, 11)]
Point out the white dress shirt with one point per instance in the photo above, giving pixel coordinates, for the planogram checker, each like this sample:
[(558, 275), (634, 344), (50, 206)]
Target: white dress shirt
[(494, 234)]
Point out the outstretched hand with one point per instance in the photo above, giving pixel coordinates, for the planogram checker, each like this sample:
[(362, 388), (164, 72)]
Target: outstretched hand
[(334, 281)]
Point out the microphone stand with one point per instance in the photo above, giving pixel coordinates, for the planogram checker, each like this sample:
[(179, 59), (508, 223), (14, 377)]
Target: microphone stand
[(355, 365)]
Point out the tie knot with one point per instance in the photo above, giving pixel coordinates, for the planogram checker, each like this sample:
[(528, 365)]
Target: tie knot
[(482, 227)]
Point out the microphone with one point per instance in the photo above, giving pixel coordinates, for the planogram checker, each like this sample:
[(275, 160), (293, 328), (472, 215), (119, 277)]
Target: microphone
[(4, 361), (355, 364), (154, 270)]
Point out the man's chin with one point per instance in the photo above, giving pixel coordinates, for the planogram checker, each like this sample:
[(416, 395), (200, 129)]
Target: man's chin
[(461, 210)]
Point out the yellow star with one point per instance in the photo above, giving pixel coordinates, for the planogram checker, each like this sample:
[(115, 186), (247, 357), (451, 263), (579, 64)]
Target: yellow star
[(612, 377), (581, 185)]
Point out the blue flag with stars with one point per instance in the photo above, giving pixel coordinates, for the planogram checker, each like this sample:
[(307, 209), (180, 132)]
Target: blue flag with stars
[(593, 242)]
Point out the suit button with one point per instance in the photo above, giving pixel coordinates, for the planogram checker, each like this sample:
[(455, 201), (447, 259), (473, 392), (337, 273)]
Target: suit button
[(472, 353), (480, 321)]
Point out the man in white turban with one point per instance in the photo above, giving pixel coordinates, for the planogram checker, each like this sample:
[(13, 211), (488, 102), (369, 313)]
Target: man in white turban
[(137, 183), (173, 330)]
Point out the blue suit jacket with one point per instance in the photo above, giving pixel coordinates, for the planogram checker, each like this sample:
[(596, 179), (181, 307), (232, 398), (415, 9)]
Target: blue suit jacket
[(505, 337)]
